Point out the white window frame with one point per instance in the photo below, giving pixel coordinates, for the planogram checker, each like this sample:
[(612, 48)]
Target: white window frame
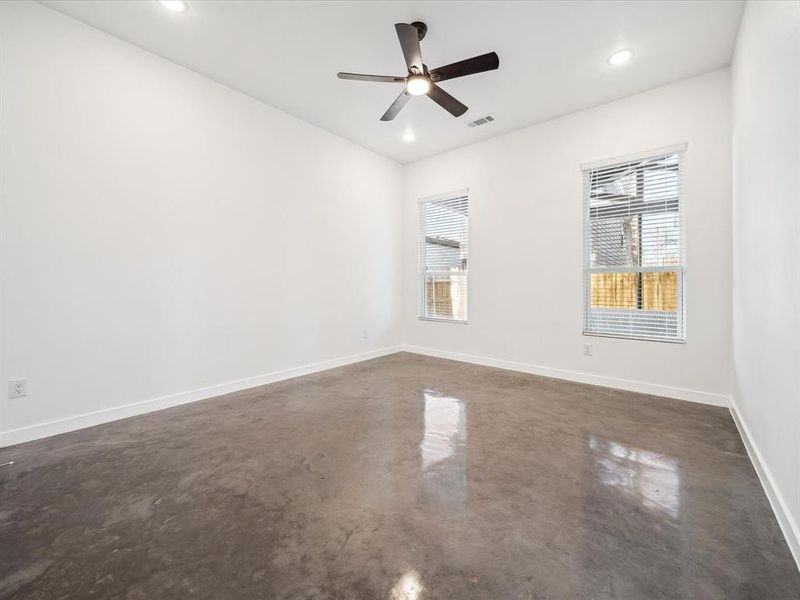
[(422, 273), (681, 150)]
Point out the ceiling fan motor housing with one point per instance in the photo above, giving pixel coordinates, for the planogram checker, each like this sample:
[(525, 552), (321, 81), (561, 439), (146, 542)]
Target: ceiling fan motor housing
[(421, 28)]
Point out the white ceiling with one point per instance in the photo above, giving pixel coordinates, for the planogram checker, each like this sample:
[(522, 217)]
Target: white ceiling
[(552, 56)]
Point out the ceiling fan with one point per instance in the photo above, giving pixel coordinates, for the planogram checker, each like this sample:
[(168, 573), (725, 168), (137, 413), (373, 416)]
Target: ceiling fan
[(420, 81)]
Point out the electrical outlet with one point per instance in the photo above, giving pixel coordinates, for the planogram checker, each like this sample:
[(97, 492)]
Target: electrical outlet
[(587, 349), (17, 388), (365, 334)]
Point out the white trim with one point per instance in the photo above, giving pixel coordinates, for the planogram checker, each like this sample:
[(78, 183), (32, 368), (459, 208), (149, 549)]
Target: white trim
[(634, 338), (443, 320), (41, 430), (462, 193), (607, 162), (653, 389), (789, 527), (422, 273)]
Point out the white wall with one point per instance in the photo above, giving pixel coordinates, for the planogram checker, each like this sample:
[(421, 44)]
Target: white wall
[(766, 249), (162, 233), (525, 287)]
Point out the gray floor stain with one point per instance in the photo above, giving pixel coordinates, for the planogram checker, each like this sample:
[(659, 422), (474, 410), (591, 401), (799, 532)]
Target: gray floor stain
[(23, 576)]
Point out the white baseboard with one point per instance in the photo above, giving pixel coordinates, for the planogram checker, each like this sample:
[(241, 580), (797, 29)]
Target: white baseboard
[(789, 527), (653, 389), (42, 430)]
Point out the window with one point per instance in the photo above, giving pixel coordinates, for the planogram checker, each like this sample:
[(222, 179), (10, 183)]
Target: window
[(634, 248), (443, 258)]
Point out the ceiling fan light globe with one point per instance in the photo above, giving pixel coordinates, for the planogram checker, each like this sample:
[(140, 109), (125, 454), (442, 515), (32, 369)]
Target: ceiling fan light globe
[(418, 85)]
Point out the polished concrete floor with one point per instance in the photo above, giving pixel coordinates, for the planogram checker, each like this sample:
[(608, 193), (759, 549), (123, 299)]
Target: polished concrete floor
[(402, 478)]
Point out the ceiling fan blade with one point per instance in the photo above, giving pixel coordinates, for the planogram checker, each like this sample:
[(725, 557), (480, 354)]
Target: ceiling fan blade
[(396, 106), (470, 66), (378, 78), (446, 101), (409, 42)]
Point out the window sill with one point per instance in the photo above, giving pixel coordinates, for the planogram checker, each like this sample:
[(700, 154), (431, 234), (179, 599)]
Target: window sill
[(441, 320), (636, 338)]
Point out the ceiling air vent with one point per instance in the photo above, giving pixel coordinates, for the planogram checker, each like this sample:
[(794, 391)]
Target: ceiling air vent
[(482, 121)]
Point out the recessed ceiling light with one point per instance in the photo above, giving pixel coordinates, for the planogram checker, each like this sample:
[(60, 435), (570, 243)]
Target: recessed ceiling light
[(174, 5), (417, 85), (620, 57), (408, 136)]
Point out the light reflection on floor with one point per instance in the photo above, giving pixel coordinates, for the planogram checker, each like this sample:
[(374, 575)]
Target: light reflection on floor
[(443, 449), (652, 478), (409, 587), (445, 428)]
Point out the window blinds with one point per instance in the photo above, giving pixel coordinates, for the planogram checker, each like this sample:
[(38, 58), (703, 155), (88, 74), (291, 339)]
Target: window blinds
[(443, 258), (634, 249)]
